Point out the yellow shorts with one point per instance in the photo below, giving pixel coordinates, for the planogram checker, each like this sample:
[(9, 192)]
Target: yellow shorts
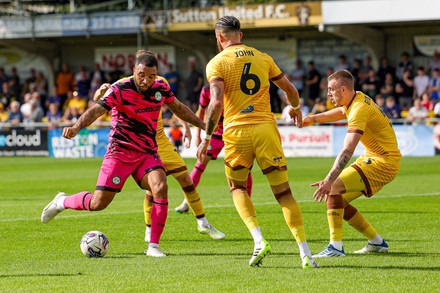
[(369, 174), (173, 162), (245, 143)]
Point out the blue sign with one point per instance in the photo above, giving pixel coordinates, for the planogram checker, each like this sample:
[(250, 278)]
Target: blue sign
[(88, 143)]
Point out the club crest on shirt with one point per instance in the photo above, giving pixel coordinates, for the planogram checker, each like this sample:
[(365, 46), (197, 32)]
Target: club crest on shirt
[(158, 96), (116, 180)]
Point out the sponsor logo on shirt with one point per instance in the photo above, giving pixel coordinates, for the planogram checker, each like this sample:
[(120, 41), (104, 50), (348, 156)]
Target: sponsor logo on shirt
[(147, 109), (249, 109)]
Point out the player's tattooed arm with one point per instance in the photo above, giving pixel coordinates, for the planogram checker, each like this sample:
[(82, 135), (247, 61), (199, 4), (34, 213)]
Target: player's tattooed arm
[(215, 107), (85, 120), (340, 163), (185, 113), (351, 141), (90, 116)]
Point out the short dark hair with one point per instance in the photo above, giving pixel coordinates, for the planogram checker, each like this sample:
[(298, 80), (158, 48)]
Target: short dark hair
[(146, 58), (228, 23)]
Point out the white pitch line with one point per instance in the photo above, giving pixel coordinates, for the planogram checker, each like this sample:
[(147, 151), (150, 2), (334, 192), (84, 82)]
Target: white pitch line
[(88, 214)]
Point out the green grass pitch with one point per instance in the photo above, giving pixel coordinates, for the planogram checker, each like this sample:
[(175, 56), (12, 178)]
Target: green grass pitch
[(35, 257)]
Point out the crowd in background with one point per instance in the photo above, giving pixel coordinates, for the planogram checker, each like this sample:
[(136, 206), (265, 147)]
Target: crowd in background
[(403, 91)]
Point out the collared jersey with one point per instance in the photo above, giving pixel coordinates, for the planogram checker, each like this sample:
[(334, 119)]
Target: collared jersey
[(366, 118), (135, 114), (245, 72)]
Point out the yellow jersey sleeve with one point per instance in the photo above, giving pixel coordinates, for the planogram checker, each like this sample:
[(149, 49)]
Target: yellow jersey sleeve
[(366, 118), (245, 72)]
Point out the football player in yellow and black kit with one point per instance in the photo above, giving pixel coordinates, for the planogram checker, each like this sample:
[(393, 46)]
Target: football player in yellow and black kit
[(239, 82), (368, 174)]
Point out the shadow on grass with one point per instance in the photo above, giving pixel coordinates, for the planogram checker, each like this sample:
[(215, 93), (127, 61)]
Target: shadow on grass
[(40, 275)]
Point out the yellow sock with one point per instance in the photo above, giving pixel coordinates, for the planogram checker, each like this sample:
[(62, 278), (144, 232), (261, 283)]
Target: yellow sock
[(245, 208), (193, 199), (361, 224), (334, 217), (148, 205), (293, 217)]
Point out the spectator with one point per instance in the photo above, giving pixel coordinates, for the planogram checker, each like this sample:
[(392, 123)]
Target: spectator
[(14, 114), (3, 76), (194, 84), (26, 107), (435, 62), (6, 95), (380, 102), (53, 98), (71, 116), (175, 135), (97, 77), (14, 82), (298, 76), (392, 109), (388, 86), (312, 81), (342, 63), (3, 114), (434, 85), (64, 82), (356, 72), (366, 67), (54, 115), (417, 113), (404, 64), (385, 68), (421, 83), (37, 113), (83, 82), (173, 79), (319, 107), (29, 81), (75, 102), (370, 85), (41, 86), (115, 74), (405, 90), (427, 102)]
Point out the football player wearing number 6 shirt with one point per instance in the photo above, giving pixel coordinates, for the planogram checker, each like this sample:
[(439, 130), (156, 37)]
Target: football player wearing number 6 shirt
[(132, 149), (239, 81), (215, 148)]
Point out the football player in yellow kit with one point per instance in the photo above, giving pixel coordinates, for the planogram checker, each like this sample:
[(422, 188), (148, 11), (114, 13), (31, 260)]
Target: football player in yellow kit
[(368, 174), (239, 82)]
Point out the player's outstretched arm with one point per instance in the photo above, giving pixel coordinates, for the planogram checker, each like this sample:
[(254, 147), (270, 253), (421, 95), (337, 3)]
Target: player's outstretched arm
[(85, 120), (332, 115), (185, 113)]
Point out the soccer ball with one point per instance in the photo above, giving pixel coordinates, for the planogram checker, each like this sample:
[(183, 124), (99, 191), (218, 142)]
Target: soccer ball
[(94, 244)]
